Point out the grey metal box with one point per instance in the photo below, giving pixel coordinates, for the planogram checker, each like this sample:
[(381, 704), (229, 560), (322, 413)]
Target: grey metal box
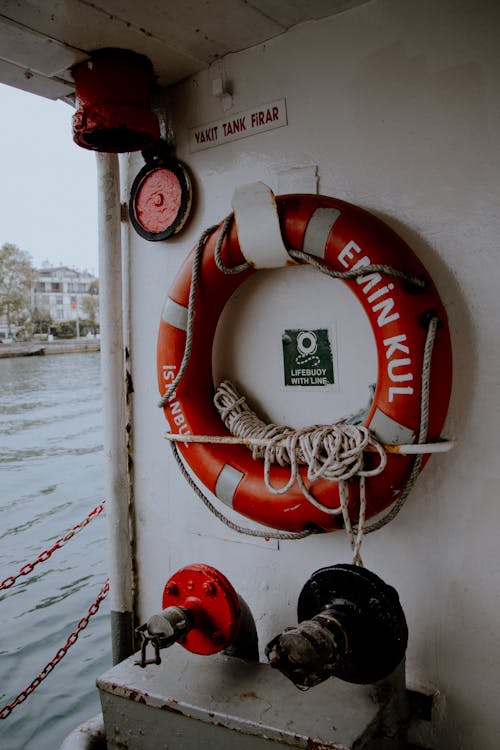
[(220, 702)]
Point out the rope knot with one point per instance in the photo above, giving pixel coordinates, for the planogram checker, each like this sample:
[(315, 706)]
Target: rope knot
[(334, 452)]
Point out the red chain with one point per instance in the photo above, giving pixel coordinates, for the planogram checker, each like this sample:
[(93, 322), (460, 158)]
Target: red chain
[(72, 638), (28, 568)]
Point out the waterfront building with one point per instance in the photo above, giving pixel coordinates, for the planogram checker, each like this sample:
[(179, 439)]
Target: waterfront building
[(59, 291), (57, 295)]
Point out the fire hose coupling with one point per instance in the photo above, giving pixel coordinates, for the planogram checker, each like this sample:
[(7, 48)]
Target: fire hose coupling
[(201, 611), (351, 626)]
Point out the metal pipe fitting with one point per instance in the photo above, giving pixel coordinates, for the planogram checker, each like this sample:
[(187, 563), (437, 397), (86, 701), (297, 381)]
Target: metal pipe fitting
[(351, 626)]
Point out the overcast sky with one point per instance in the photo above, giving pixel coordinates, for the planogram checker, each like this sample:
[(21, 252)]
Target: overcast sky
[(48, 194)]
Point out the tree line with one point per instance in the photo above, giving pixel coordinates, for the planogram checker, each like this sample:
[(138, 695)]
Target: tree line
[(19, 307)]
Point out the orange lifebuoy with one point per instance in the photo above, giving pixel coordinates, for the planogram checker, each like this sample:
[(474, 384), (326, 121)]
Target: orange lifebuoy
[(342, 236)]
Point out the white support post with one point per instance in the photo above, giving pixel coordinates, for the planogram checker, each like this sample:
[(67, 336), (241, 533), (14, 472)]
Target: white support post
[(114, 401)]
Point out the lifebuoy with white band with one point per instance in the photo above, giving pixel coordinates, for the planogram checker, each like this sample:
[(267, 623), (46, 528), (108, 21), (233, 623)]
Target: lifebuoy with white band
[(341, 236)]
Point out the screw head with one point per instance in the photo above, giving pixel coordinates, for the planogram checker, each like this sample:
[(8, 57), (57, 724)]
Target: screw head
[(209, 588), (190, 585), (172, 588), (158, 201)]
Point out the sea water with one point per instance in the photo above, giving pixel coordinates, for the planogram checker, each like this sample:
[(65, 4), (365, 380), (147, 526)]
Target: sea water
[(51, 476)]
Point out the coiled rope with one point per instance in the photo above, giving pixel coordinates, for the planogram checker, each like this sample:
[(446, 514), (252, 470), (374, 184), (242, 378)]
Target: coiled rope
[(333, 451)]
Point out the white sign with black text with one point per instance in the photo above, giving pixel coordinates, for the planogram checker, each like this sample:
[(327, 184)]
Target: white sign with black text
[(241, 125)]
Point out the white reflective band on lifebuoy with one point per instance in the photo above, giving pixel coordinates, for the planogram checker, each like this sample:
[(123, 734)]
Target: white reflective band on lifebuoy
[(388, 431), (259, 233), (318, 230), (227, 483), (174, 314)]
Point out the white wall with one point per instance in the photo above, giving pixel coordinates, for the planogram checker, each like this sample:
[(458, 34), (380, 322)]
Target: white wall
[(397, 103)]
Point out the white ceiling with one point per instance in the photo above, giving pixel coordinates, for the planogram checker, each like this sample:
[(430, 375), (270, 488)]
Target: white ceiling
[(40, 40)]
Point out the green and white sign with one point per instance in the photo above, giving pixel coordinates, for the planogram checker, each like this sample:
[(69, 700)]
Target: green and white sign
[(307, 357)]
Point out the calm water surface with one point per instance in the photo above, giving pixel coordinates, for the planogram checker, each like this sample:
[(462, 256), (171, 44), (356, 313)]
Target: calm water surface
[(51, 476)]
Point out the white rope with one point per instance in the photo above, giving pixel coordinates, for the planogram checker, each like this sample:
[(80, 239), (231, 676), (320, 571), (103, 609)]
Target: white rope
[(401, 449), (355, 542), (416, 282), (334, 452)]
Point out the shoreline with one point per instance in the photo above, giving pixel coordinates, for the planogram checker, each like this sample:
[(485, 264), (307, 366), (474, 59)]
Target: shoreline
[(43, 348)]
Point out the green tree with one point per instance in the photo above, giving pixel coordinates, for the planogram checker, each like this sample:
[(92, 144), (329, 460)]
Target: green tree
[(41, 319), (90, 307), (17, 276), (64, 329)]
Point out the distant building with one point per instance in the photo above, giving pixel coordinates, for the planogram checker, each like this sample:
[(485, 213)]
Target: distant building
[(59, 291)]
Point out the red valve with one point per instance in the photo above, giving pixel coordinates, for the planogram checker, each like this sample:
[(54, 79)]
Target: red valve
[(213, 606)]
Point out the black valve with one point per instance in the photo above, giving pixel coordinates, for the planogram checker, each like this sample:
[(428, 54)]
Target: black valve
[(351, 626)]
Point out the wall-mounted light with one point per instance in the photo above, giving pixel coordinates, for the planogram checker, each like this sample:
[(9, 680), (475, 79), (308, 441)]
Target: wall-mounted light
[(113, 101)]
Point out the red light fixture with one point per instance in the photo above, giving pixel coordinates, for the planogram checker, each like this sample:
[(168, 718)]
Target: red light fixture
[(113, 102)]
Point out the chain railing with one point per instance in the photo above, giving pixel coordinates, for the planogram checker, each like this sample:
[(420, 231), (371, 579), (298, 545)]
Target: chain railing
[(71, 639), (28, 568), (43, 556)]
